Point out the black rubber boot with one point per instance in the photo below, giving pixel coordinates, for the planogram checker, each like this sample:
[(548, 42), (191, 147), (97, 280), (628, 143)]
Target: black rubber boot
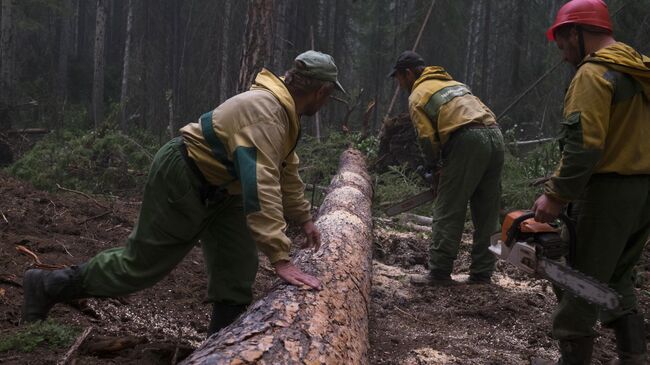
[(577, 351), (44, 288), (433, 278), (573, 352), (223, 315), (630, 340), (479, 279)]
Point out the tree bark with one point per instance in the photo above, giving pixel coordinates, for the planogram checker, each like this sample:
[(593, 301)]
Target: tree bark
[(98, 74), (473, 37), (126, 65), (485, 59), (257, 41), (293, 325), (65, 41), (7, 60), (224, 78)]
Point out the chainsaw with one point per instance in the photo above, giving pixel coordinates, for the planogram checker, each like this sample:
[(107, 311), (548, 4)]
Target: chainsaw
[(538, 249)]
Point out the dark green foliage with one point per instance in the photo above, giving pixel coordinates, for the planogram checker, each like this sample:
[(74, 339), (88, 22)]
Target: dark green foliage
[(49, 333), (104, 162), (397, 184), (319, 161), (520, 171)]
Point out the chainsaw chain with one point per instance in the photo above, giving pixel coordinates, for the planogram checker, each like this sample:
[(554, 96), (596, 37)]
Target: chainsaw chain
[(604, 296)]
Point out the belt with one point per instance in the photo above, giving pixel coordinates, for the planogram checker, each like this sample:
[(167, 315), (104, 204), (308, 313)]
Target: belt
[(476, 125), (208, 193)]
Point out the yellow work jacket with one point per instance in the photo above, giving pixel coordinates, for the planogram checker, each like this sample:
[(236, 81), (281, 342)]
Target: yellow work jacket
[(438, 106), (246, 145), (606, 126)]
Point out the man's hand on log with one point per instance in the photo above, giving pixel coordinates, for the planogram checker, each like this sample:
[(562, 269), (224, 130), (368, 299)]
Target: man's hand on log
[(293, 275), (313, 235)]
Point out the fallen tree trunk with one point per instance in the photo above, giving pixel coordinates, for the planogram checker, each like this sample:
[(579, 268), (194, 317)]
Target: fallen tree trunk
[(295, 325)]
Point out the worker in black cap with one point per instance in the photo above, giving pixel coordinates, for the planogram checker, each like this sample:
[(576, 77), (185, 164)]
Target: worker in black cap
[(463, 147)]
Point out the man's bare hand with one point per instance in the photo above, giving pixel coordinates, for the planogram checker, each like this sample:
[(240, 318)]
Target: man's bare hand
[(312, 234), (293, 275), (547, 209)]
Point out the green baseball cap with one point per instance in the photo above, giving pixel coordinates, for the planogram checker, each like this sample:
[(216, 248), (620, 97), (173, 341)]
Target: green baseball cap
[(319, 66)]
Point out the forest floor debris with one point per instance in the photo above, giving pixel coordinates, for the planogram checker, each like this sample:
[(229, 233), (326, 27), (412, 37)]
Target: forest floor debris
[(504, 323)]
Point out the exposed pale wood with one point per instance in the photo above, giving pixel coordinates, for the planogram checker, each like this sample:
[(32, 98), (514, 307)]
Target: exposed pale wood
[(417, 219), (297, 326), (80, 340)]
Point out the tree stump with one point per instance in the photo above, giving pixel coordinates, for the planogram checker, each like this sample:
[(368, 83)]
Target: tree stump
[(294, 325)]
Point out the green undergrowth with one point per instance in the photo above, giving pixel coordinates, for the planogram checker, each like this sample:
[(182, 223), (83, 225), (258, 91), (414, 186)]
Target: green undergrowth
[(521, 170), (397, 184), (319, 160), (100, 162), (47, 333)]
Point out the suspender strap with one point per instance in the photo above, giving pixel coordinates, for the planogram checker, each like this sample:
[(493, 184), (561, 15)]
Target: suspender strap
[(217, 147)]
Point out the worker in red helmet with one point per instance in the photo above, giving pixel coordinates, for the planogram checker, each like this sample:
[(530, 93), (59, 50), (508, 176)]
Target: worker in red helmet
[(603, 178)]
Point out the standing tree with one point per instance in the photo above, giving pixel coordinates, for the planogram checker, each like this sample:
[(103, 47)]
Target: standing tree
[(126, 64), (257, 42), (8, 63), (65, 41), (98, 73)]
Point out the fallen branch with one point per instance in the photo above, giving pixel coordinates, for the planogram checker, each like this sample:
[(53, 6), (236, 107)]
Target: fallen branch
[(84, 195), (75, 346), (415, 46), (139, 145), (28, 131), (96, 216), (4, 217), (37, 262), (533, 141)]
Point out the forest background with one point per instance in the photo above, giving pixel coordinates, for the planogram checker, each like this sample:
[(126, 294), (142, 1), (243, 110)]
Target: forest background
[(143, 69)]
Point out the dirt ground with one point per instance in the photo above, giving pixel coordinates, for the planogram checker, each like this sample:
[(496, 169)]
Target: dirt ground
[(504, 323), (507, 322)]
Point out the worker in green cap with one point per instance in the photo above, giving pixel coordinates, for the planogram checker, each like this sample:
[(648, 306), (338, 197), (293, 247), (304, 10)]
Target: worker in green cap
[(229, 181)]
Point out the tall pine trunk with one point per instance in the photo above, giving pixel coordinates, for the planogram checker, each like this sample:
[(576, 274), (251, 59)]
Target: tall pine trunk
[(65, 42), (98, 74), (7, 63), (126, 65), (224, 74), (257, 41)]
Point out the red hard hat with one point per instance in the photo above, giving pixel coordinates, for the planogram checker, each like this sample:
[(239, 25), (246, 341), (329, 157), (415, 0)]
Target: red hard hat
[(590, 12)]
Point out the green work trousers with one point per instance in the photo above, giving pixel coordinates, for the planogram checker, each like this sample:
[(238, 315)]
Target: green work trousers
[(472, 162), (612, 227), (172, 220)]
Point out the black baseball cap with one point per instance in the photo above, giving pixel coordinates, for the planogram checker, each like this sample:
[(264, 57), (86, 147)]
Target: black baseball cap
[(408, 59)]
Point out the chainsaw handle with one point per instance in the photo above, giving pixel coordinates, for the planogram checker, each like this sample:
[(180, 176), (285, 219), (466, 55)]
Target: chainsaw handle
[(568, 222)]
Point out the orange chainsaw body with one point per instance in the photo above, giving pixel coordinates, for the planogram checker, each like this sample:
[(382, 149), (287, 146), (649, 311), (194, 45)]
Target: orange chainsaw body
[(527, 226)]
